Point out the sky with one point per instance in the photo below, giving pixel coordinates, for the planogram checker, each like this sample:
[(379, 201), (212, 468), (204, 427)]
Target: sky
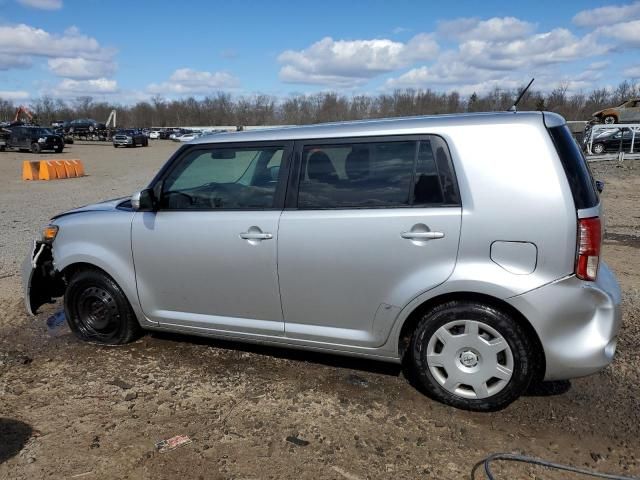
[(128, 51)]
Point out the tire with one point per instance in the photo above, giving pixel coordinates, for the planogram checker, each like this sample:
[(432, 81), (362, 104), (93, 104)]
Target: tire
[(146, 143), (598, 148), (115, 146), (610, 119), (35, 147), (98, 311), (91, 128), (58, 150), (464, 341)]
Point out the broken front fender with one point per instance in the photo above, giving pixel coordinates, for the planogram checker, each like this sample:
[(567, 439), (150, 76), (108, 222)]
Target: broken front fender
[(40, 281)]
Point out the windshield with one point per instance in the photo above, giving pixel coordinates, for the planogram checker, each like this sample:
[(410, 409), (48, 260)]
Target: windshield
[(42, 131)]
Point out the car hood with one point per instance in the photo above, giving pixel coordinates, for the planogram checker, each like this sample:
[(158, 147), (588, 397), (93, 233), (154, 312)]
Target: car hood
[(595, 114), (108, 206)]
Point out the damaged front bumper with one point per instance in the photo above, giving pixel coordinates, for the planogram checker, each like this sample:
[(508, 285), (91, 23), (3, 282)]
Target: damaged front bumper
[(40, 281)]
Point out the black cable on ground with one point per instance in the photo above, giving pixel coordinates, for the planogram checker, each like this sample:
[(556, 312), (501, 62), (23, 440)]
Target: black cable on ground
[(511, 457)]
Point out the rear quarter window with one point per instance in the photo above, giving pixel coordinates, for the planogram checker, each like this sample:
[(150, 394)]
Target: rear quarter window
[(575, 166)]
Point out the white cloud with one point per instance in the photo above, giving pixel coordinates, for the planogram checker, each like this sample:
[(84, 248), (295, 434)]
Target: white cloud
[(8, 61), (606, 16), (493, 29), (627, 33), (486, 58), (99, 86), (632, 72), (80, 68), (189, 81), (42, 4), (556, 46), (13, 95), (70, 55), (352, 62), (26, 40)]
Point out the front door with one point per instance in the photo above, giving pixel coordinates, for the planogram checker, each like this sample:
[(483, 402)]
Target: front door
[(376, 222), (207, 258)]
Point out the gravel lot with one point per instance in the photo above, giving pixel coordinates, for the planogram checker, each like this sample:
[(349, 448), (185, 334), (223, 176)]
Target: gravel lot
[(73, 410)]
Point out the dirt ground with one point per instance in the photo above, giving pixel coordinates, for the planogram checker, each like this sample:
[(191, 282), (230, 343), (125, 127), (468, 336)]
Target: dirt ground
[(74, 410)]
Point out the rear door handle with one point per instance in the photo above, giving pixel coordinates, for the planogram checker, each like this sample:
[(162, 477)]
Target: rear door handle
[(422, 235), (256, 236)]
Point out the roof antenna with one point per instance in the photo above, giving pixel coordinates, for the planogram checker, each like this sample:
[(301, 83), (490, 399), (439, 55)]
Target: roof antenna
[(514, 107)]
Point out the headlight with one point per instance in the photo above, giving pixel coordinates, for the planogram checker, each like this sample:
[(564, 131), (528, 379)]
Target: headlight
[(42, 140), (49, 233)]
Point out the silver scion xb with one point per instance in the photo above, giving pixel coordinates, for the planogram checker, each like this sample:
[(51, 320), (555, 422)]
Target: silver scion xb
[(465, 246)]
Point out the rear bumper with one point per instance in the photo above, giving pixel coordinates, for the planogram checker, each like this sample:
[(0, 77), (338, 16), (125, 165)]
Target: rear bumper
[(576, 321)]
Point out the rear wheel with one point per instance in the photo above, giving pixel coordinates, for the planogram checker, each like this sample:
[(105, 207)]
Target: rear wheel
[(598, 148), (98, 311), (610, 119), (471, 356), (35, 147)]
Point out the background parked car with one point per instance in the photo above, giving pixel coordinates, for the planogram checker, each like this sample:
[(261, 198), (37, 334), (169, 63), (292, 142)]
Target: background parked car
[(85, 125), (130, 138), (187, 137), (34, 139), (609, 141), (626, 112), (154, 134)]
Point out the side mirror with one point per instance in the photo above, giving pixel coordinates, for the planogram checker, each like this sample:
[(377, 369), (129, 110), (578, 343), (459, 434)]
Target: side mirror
[(143, 201), (599, 186)]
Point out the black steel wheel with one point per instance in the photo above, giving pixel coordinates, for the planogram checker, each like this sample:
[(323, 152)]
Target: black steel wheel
[(97, 309)]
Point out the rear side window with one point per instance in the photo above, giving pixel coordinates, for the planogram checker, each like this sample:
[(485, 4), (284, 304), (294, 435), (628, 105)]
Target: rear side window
[(576, 168), (377, 175)]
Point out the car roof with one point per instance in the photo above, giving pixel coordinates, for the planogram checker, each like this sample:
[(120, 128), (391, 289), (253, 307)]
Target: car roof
[(383, 126)]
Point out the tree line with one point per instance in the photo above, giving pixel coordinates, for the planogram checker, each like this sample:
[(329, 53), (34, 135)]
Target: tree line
[(222, 108)]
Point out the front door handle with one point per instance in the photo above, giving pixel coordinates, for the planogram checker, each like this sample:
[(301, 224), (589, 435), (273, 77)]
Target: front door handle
[(422, 235), (256, 236)]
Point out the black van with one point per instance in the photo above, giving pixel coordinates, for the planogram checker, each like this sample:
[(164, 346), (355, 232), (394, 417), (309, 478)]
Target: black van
[(35, 139)]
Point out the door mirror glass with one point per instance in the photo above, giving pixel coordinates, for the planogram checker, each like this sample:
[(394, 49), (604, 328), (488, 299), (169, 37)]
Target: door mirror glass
[(143, 201)]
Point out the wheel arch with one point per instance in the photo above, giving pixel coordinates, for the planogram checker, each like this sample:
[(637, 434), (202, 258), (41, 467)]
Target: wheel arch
[(411, 321), (128, 287)]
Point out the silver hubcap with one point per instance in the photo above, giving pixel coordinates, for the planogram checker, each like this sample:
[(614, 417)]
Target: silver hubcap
[(609, 120), (470, 359), (598, 148)]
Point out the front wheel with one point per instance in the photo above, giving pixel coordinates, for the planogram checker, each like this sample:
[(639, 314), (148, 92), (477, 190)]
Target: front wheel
[(471, 356), (610, 119), (35, 147), (98, 311), (598, 148)]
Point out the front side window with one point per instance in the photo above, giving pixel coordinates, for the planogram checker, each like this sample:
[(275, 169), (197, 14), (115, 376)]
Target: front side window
[(223, 178), (376, 175)]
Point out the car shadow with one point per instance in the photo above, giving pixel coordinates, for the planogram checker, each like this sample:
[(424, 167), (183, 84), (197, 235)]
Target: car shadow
[(548, 389), (536, 389), (327, 359), (14, 435)]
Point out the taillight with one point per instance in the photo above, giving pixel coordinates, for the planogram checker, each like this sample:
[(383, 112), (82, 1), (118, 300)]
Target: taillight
[(589, 240)]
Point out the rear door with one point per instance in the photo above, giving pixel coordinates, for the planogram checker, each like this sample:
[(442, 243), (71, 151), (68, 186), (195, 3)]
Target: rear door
[(370, 223)]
